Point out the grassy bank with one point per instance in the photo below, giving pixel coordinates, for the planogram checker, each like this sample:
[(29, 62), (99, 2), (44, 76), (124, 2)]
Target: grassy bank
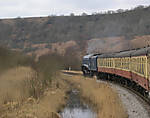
[(21, 105), (28, 87), (100, 96), (44, 69), (14, 86)]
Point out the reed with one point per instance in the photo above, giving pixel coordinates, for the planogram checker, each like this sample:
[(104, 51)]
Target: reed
[(104, 100)]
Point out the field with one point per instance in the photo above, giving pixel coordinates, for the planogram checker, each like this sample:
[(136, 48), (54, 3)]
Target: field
[(17, 102), (102, 98)]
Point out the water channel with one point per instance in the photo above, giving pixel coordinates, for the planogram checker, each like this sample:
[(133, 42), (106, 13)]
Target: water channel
[(75, 108)]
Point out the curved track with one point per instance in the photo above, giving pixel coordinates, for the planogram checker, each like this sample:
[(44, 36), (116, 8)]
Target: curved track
[(135, 106), (147, 100)]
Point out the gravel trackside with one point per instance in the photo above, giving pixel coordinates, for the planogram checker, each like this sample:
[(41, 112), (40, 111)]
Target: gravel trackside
[(135, 106)]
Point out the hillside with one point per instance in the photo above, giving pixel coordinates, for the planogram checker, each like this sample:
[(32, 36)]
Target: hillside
[(115, 44), (42, 34)]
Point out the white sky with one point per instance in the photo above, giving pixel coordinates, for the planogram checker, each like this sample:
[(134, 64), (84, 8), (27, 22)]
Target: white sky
[(26, 8)]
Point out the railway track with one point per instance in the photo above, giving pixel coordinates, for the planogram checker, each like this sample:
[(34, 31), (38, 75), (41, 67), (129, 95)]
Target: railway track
[(143, 100), (136, 104), (147, 100)]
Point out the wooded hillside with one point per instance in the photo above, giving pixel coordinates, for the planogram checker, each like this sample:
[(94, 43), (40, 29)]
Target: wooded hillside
[(22, 33)]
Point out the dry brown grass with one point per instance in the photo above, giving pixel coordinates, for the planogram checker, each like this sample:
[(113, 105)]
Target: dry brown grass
[(13, 86), (105, 100), (47, 106), (59, 48), (102, 97)]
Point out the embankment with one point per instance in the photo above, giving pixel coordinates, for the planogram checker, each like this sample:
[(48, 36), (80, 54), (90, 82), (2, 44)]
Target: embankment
[(16, 99), (100, 96), (17, 102)]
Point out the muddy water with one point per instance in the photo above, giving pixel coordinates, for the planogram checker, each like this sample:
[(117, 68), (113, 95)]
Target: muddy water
[(75, 108)]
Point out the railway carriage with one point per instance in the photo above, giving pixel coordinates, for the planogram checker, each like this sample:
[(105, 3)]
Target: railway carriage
[(131, 67)]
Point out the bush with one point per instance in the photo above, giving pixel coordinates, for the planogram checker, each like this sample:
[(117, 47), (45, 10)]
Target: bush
[(46, 68), (10, 59)]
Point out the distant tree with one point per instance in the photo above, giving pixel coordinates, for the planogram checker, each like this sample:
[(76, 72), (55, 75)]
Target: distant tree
[(72, 14), (71, 59), (139, 7), (110, 12), (120, 10), (84, 14), (19, 17), (94, 13)]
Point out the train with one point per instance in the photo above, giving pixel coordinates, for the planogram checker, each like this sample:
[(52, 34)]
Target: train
[(129, 67)]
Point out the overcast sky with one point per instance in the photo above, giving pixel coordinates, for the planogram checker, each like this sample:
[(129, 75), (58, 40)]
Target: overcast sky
[(26, 8)]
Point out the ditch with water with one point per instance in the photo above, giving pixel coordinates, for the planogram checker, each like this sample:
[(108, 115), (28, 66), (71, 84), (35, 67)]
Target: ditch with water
[(75, 108)]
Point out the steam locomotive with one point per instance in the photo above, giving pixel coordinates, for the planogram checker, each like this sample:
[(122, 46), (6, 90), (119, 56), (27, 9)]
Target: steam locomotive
[(130, 67)]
